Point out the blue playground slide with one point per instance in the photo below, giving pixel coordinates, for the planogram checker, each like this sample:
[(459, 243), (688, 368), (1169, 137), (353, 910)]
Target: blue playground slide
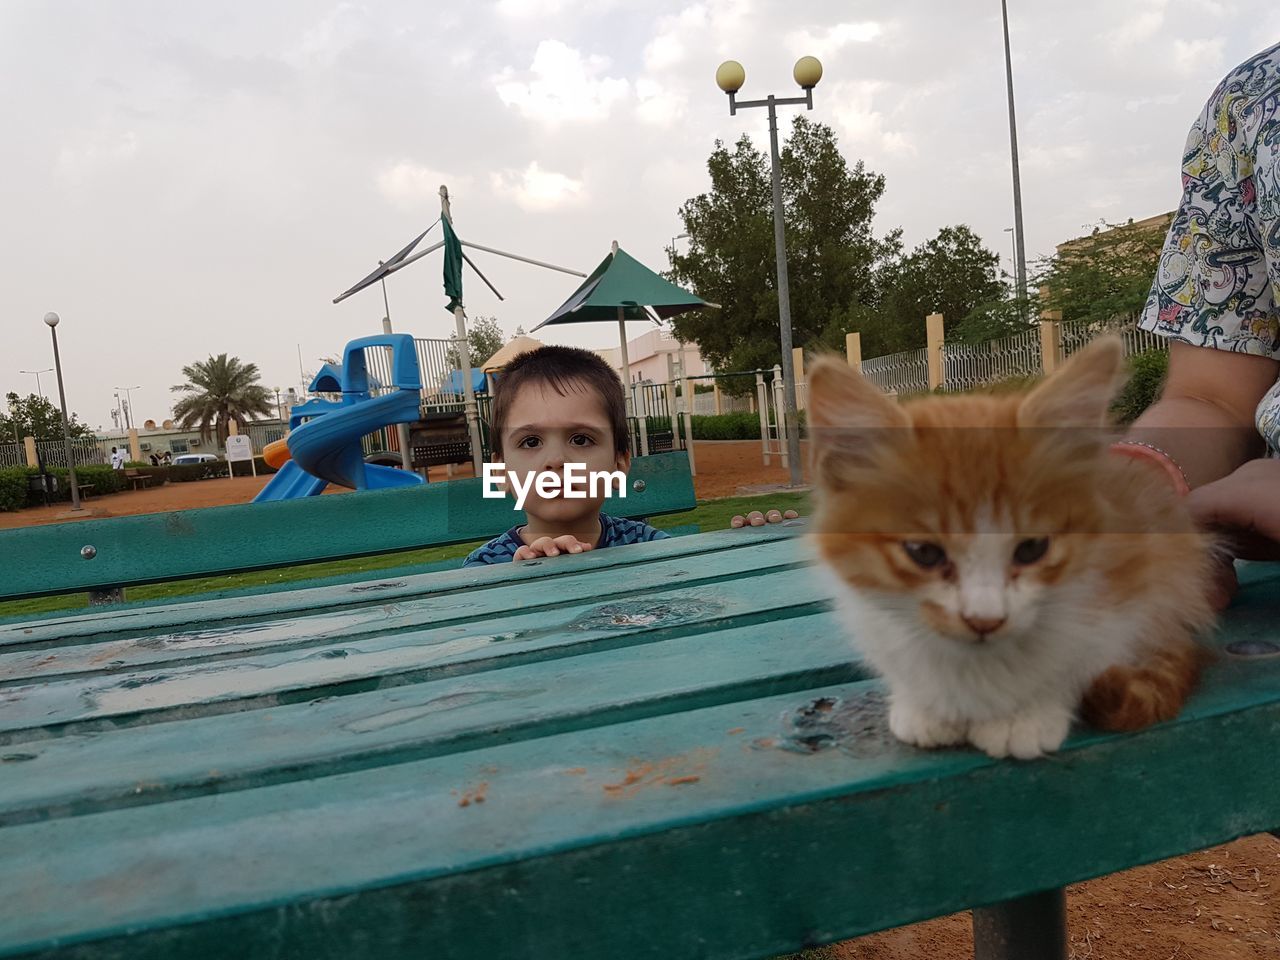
[(324, 440)]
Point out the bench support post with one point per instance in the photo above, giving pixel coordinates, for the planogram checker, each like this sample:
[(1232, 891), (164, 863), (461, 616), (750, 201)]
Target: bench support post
[(1033, 927)]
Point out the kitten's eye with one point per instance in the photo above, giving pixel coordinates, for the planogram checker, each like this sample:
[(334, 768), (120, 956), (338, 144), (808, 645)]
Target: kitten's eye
[(924, 553), (1029, 551)]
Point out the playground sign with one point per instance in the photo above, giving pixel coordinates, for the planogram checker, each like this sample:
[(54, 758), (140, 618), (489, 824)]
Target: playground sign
[(240, 447)]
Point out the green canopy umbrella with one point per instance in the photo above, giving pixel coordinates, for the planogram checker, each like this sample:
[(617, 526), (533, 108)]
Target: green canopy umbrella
[(622, 288)]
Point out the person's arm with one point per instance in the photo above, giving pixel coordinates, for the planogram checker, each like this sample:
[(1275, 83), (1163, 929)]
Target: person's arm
[(1204, 418)]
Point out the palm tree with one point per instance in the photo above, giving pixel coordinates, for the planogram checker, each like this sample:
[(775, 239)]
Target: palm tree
[(217, 391)]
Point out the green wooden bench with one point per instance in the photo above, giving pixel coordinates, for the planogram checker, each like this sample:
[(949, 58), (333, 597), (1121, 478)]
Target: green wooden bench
[(663, 751), (104, 557)]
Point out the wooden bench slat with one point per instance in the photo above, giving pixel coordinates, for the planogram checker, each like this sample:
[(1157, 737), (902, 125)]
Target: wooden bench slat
[(48, 650), (153, 548), (267, 677), (130, 620), (155, 763), (755, 858)]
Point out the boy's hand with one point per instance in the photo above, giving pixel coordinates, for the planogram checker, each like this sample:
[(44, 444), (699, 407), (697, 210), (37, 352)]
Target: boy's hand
[(551, 547), (757, 519)]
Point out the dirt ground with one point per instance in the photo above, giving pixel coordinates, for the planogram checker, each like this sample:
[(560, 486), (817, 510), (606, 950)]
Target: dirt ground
[(1215, 905), (1219, 904), (725, 468)]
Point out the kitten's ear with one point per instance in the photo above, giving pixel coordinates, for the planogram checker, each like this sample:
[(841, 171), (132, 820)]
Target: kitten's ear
[(852, 421), (840, 398), (1079, 394)]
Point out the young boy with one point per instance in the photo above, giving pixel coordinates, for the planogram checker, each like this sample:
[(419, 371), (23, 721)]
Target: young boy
[(558, 405)]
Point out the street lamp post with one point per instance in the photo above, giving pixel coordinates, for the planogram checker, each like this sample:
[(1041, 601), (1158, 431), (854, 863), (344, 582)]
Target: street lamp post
[(52, 320), (1019, 245), (730, 77), (39, 389)]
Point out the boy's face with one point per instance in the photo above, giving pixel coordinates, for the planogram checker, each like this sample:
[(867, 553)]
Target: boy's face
[(545, 430)]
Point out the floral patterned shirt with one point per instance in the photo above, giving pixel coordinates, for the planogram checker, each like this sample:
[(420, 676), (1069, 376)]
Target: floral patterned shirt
[(1218, 283)]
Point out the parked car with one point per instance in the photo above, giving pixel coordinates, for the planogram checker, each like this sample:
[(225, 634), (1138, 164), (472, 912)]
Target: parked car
[(187, 458)]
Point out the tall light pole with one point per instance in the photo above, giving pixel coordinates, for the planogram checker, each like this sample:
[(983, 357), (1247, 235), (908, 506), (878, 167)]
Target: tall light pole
[(1019, 246), (128, 404), (730, 77), (52, 320), (39, 389)]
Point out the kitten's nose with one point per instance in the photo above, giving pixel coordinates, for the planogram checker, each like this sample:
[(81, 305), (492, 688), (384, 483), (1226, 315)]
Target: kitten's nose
[(983, 625)]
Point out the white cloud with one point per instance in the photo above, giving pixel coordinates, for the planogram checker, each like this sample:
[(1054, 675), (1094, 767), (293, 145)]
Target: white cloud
[(564, 86), (535, 189), (528, 9), (670, 44), (1141, 22), (323, 42), (412, 185), (861, 124), (658, 105), (830, 41), (77, 162), (1195, 55)]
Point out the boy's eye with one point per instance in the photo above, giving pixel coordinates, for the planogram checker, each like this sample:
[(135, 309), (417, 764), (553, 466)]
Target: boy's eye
[(530, 443), (581, 440)]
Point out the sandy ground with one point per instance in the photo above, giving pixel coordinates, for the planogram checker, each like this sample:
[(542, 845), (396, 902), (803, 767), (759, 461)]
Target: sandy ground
[(1215, 905), (1219, 904), (724, 469)]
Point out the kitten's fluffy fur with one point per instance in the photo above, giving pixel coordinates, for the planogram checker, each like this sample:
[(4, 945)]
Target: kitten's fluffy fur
[(977, 646)]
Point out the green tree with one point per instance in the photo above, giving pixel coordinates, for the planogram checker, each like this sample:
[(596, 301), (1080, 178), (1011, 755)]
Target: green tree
[(952, 274), (832, 253), (217, 391), (34, 416), (484, 339), (1104, 277)]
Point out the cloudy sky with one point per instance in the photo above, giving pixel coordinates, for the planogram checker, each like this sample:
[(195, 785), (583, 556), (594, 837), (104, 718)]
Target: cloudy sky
[(180, 180)]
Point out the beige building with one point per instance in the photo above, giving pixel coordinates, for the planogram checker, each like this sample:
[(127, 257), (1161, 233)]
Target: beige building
[(658, 357)]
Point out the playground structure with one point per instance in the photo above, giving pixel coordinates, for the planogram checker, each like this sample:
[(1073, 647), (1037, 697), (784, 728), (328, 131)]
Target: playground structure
[(324, 442)]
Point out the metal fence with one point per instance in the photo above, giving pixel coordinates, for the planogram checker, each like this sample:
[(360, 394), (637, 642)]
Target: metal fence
[(969, 365), (262, 434), (53, 453), (13, 455), (966, 366), (1075, 334), (906, 372)]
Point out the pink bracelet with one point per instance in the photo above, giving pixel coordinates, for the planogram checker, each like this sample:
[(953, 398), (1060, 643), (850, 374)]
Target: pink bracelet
[(1138, 450)]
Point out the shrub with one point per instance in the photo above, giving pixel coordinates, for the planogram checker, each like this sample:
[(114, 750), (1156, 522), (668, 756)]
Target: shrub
[(13, 488), (727, 426), (184, 472), (103, 478), (1147, 373)]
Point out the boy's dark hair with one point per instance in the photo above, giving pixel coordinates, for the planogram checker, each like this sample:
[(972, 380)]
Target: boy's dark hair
[(562, 368)]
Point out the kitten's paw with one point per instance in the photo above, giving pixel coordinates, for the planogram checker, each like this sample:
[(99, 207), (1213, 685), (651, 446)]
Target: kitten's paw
[(1024, 736), (922, 729)]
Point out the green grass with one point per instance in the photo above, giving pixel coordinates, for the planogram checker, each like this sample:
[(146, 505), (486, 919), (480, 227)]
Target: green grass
[(707, 515)]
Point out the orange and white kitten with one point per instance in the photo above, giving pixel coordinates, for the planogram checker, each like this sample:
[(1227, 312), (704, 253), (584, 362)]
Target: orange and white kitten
[(999, 566)]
